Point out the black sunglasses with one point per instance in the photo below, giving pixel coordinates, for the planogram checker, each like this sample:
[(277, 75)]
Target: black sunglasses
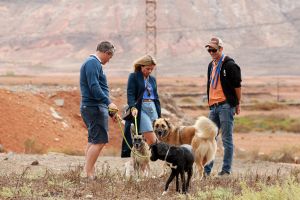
[(212, 50)]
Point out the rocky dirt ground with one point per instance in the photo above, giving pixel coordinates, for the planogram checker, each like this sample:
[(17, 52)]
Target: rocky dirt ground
[(41, 115), (57, 162)]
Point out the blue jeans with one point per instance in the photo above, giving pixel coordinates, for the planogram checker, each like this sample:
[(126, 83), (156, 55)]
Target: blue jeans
[(222, 115), (148, 115)]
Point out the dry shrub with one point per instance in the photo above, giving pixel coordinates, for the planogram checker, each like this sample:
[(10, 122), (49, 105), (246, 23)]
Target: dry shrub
[(32, 147), (187, 100), (73, 175), (267, 123), (111, 184), (268, 106), (286, 154)]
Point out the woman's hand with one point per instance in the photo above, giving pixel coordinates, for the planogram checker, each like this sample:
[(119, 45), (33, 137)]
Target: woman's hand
[(134, 111), (237, 109)]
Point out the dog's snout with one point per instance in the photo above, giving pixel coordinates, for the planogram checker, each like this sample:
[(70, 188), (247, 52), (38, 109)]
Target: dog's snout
[(159, 132)]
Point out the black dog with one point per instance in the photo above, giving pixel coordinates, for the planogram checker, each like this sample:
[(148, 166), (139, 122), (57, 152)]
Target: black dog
[(180, 159)]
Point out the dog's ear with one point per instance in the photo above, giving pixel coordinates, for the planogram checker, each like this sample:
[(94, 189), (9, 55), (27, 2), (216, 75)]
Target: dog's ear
[(167, 122), (153, 147), (153, 123)]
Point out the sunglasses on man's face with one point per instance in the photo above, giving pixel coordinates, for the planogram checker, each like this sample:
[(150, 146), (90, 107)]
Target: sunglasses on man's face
[(212, 50)]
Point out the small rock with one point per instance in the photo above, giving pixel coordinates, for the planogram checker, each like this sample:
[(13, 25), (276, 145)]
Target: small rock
[(89, 196), (59, 102), (65, 125), (55, 114), (35, 162)]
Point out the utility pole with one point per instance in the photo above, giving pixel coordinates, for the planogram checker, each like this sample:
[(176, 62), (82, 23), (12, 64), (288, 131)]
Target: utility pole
[(151, 28)]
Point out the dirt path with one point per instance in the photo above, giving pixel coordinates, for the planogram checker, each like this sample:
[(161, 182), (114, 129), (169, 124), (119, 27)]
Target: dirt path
[(56, 162)]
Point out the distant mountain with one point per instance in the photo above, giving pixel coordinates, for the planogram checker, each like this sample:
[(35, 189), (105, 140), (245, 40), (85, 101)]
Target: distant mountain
[(50, 36)]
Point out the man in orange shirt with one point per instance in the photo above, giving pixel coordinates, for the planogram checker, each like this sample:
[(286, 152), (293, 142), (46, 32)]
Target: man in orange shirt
[(224, 95)]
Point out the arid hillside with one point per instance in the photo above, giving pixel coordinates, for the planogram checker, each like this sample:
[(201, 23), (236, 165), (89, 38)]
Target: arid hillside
[(40, 37), (40, 115)]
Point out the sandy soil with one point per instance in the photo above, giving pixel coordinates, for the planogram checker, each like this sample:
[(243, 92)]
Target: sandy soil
[(56, 162)]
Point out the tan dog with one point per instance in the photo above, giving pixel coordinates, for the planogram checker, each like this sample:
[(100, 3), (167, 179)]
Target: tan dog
[(204, 143), (170, 134), (140, 156)]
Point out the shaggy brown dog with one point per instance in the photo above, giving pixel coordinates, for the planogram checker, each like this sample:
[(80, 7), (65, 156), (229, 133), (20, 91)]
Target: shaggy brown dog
[(204, 143), (170, 134), (140, 156)]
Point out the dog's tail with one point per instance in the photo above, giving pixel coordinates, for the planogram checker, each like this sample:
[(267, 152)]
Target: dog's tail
[(205, 128)]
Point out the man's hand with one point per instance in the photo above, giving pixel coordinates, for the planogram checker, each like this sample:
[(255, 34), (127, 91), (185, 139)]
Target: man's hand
[(134, 111), (113, 110), (113, 106), (237, 109)]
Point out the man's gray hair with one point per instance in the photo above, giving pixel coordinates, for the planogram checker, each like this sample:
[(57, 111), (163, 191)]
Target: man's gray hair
[(106, 46)]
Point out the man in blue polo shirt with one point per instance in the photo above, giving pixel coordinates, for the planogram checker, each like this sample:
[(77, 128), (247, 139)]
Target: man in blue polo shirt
[(95, 103)]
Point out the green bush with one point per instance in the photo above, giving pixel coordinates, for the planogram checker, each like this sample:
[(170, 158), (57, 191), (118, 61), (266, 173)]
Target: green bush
[(290, 189), (262, 123)]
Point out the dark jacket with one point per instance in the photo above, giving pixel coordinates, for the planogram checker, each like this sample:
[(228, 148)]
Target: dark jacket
[(230, 77), (135, 90)]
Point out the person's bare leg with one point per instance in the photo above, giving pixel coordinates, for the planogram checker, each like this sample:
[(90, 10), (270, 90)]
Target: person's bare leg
[(92, 154), (86, 150), (150, 137)]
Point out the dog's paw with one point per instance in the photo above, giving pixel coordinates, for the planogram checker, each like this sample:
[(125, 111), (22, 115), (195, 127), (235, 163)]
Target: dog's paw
[(164, 193)]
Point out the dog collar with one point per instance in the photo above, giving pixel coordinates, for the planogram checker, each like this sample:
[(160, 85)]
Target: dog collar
[(167, 153), (168, 163)]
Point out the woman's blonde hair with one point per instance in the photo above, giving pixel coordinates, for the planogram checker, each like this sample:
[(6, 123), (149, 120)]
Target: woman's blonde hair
[(143, 61)]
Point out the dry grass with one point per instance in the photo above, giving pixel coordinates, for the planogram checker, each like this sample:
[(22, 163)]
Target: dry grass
[(113, 185), (67, 151), (286, 154), (267, 106), (32, 147)]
